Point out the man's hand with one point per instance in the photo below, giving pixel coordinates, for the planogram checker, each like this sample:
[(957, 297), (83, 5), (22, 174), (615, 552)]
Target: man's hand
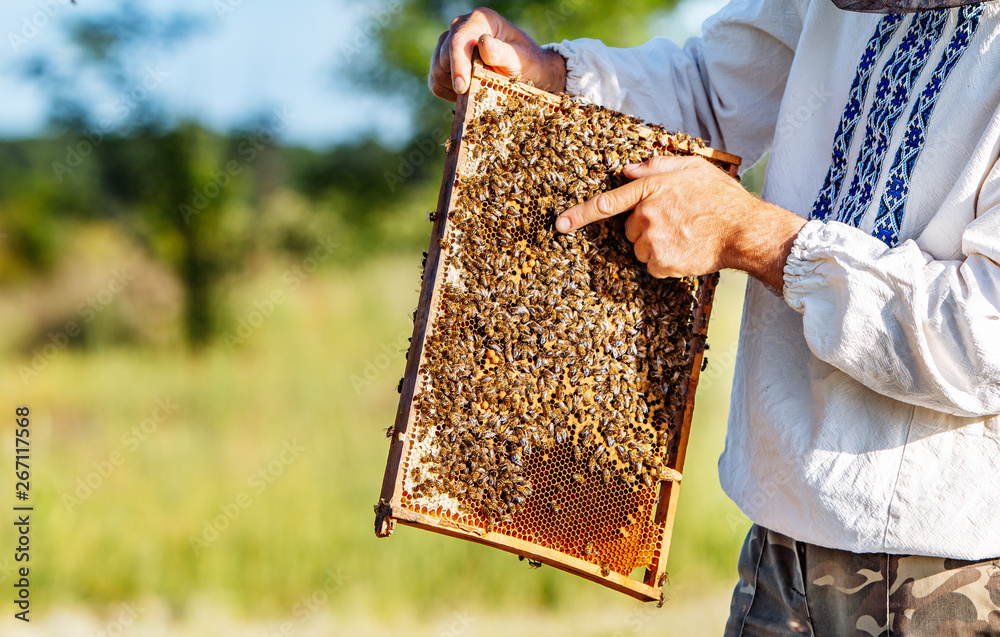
[(503, 47), (691, 219)]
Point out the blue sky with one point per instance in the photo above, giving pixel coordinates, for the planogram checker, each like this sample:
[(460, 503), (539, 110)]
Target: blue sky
[(254, 56)]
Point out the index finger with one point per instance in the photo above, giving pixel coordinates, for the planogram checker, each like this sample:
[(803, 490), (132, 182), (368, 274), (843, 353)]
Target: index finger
[(463, 43), (459, 59), (607, 204)]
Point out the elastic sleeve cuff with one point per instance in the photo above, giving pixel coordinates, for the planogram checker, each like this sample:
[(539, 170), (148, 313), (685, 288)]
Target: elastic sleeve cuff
[(800, 274), (581, 81)]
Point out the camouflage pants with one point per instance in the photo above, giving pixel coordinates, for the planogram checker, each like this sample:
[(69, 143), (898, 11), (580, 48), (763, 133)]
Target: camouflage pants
[(792, 588)]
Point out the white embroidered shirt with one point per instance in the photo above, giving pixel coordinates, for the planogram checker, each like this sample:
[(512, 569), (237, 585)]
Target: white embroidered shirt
[(865, 402)]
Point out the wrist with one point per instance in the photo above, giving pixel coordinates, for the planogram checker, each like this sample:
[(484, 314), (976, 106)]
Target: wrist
[(762, 241), (553, 71)]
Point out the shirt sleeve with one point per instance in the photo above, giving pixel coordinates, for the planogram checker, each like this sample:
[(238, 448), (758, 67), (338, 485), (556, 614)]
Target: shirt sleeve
[(922, 331), (725, 87)]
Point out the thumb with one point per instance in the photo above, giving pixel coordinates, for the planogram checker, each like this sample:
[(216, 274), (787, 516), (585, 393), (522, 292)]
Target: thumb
[(499, 55), (660, 164)]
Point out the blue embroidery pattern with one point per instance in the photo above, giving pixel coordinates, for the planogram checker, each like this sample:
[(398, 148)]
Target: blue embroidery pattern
[(887, 27), (892, 94), (897, 187)]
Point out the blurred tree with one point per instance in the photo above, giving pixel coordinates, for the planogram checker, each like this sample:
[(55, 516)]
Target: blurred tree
[(168, 182)]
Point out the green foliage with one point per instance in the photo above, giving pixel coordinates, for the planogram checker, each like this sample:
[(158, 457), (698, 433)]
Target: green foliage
[(397, 61)]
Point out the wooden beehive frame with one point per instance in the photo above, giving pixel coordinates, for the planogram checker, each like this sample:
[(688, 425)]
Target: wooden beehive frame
[(391, 509)]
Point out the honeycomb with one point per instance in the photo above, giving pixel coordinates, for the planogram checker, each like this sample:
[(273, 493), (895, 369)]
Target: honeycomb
[(550, 399)]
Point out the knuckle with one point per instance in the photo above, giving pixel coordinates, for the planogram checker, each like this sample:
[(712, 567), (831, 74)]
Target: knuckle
[(482, 12), (640, 252), (648, 186), (659, 161), (657, 269), (438, 74), (603, 205), (697, 162)]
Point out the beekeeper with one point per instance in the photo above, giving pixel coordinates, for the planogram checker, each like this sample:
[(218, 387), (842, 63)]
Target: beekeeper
[(863, 437)]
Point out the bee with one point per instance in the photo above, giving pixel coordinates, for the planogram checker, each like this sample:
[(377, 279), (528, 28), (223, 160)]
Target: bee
[(562, 435), (588, 548)]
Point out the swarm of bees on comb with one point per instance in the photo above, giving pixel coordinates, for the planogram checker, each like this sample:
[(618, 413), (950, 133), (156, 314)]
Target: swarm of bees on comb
[(554, 369), (545, 339)]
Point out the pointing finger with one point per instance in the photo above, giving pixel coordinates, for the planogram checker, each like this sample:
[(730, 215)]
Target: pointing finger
[(607, 204), (660, 164)]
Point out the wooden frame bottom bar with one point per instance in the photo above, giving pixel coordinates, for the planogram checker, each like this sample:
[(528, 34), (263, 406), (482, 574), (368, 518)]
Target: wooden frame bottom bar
[(627, 585)]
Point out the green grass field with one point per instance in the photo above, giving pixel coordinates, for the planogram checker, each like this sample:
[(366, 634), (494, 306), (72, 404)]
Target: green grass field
[(269, 452)]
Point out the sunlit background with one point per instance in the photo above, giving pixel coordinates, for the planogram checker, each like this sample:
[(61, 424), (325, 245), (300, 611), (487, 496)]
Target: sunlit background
[(211, 223)]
